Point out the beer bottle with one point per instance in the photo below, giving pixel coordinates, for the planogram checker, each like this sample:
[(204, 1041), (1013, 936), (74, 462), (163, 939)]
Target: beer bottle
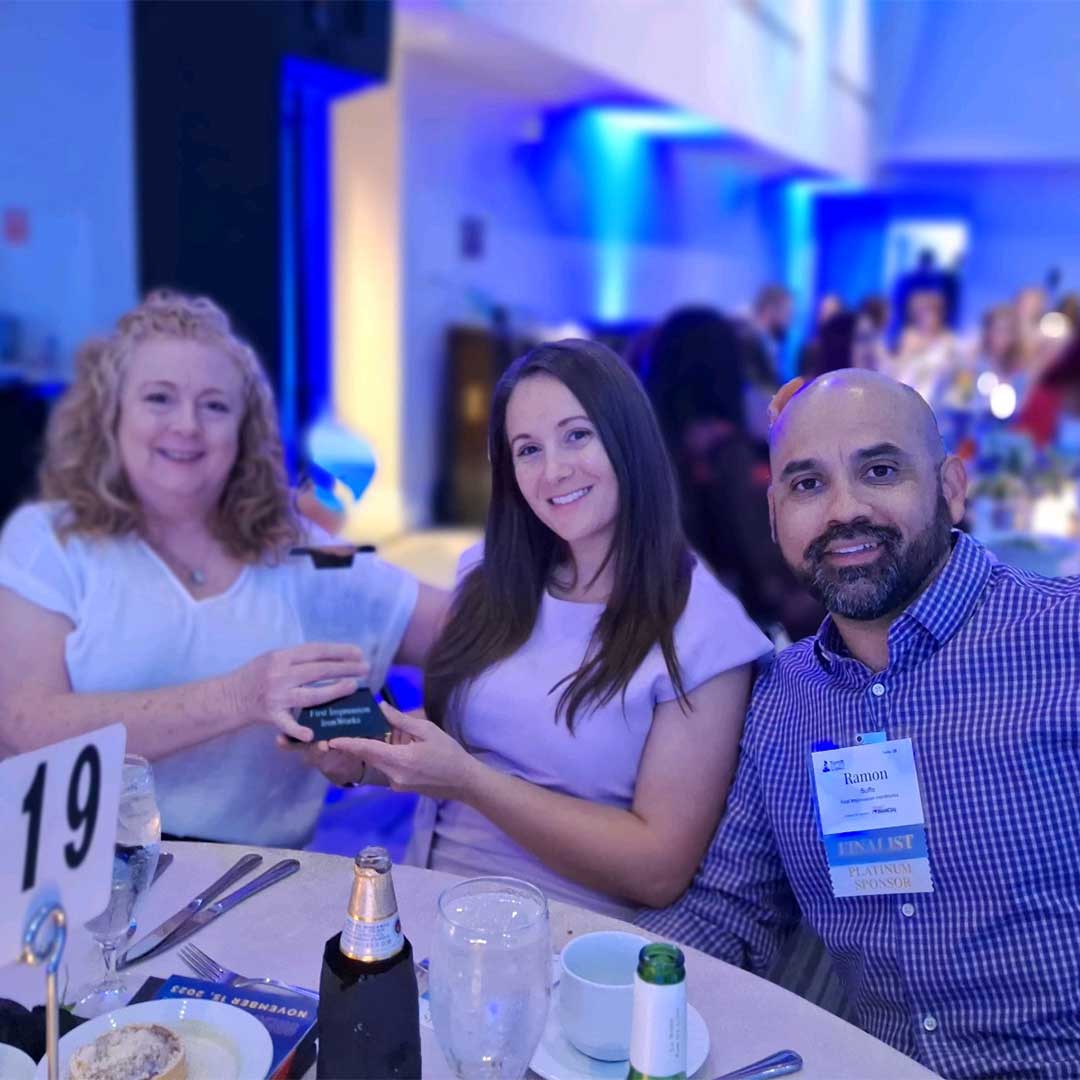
[(658, 1024), (369, 1019)]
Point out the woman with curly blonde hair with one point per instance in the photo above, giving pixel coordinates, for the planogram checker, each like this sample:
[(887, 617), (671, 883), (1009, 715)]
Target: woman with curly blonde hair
[(253, 519), (153, 584)]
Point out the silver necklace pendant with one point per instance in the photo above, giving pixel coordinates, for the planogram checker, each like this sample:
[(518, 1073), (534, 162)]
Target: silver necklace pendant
[(197, 577)]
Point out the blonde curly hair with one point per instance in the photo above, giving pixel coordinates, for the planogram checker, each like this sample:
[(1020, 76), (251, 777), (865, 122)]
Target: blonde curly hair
[(82, 466)]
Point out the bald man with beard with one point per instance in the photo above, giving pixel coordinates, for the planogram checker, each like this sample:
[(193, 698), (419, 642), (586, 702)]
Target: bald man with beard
[(962, 951)]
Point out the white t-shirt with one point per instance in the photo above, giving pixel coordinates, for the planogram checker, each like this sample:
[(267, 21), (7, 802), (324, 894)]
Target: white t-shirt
[(138, 628)]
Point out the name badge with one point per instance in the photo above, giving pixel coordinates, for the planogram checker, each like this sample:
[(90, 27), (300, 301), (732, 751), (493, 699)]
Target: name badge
[(871, 816)]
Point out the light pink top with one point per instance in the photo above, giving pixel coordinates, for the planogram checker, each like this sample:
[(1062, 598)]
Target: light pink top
[(507, 719)]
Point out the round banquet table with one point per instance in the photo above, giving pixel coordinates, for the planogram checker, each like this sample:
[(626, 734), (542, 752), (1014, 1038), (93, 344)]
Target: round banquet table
[(280, 933)]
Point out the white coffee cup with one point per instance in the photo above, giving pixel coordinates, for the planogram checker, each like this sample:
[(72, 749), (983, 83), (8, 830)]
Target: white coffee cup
[(596, 992)]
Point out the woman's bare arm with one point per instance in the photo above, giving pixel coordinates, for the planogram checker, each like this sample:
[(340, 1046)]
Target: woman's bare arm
[(38, 706)]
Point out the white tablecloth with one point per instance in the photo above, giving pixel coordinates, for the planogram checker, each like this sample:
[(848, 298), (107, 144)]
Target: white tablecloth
[(281, 932)]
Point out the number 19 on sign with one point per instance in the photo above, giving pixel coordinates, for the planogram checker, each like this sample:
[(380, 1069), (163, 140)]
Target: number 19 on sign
[(59, 804), (81, 812)]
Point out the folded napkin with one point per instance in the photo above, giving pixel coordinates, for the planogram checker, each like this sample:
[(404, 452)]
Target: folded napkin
[(25, 1028)]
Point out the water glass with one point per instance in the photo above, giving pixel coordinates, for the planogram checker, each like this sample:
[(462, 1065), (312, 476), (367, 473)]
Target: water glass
[(491, 976), (138, 843)]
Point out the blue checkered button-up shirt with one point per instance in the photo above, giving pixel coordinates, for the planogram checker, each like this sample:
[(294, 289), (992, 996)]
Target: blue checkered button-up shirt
[(981, 977)]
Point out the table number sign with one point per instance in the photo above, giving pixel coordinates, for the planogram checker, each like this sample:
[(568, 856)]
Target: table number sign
[(58, 809)]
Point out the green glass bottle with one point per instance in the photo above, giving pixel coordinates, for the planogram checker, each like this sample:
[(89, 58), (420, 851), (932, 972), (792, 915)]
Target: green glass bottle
[(658, 1027)]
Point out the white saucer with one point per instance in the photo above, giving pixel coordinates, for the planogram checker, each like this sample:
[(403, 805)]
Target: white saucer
[(14, 1064), (557, 1059), (221, 1041)]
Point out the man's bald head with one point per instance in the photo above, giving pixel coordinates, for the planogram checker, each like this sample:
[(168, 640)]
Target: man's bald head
[(863, 397), (863, 497)]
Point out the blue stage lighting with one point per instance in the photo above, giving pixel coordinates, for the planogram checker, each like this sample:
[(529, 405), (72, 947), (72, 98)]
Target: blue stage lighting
[(615, 145), (657, 122), (307, 90)]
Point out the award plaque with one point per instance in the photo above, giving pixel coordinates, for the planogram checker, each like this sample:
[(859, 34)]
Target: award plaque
[(332, 608), (355, 716)]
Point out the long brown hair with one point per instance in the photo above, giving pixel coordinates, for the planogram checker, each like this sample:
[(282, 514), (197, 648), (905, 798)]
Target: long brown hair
[(496, 605), (82, 467)]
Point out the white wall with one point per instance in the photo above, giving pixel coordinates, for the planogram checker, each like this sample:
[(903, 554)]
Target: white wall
[(787, 76), (368, 297), (994, 82), (463, 156), (977, 107), (66, 157), (1023, 220), (459, 161), (792, 75)]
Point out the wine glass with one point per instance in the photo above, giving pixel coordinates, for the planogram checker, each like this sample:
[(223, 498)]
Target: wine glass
[(138, 843), (490, 976)]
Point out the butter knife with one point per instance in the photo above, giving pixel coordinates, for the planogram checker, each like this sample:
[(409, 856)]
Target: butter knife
[(277, 872), (153, 941), (165, 860)]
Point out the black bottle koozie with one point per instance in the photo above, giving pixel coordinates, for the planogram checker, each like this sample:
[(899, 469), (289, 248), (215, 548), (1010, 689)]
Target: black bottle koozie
[(369, 1017)]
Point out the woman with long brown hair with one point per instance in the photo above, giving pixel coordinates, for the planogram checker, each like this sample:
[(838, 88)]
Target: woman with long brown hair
[(586, 695)]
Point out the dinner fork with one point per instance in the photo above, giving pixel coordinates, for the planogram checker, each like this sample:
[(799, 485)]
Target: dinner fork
[(208, 968)]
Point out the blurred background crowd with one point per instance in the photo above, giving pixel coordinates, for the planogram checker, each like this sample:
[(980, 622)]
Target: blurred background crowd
[(1005, 394)]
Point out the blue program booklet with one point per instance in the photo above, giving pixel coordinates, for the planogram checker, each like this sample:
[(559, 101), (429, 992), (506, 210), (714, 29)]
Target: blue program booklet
[(288, 1017)]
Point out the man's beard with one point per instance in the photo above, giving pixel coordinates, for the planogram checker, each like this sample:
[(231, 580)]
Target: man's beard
[(890, 582)]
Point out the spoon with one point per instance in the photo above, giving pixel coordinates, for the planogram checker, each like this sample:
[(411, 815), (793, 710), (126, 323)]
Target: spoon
[(782, 1063)]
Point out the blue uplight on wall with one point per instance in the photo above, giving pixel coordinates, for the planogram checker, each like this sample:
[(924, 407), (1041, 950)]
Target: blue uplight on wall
[(800, 259), (615, 148), (656, 123), (800, 251), (307, 90), (617, 162)]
